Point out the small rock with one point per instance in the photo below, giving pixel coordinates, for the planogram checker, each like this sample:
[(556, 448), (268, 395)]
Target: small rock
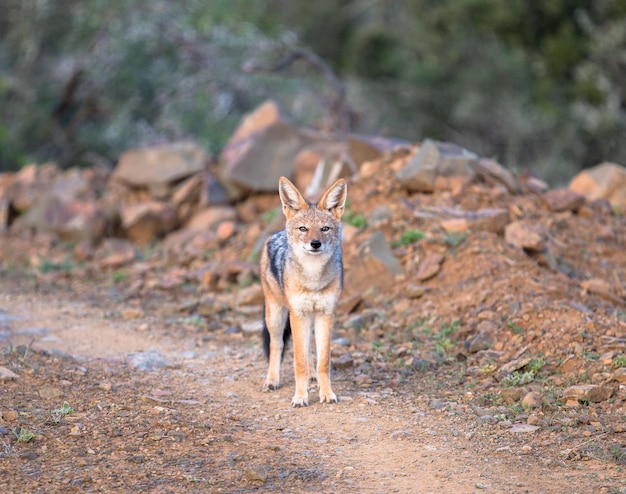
[(252, 327), (604, 181), (532, 400), (588, 392), (6, 374), (344, 362), (429, 266), (532, 419), (563, 200), (146, 361), (50, 392), (526, 450), (525, 235), (225, 230), (414, 291), (602, 289), (256, 473), (511, 395)]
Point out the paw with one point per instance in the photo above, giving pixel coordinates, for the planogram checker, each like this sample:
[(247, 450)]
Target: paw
[(300, 401), (270, 385), (328, 397)]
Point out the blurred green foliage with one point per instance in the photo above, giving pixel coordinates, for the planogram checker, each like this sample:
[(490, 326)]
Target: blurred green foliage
[(534, 84)]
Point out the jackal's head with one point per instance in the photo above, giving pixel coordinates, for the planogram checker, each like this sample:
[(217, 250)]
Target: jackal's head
[(314, 228)]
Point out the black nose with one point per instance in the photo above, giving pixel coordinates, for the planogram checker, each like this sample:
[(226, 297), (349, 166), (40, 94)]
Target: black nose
[(316, 244)]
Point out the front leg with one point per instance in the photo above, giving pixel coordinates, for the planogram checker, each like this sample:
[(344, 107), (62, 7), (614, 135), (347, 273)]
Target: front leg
[(323, 331), (275, 321), (301, 326)]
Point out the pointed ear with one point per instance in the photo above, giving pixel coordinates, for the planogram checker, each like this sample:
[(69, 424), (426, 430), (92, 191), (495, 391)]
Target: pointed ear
[(290, 197), (334, 200)]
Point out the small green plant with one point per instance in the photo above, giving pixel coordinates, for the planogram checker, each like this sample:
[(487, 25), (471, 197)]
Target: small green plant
[(47, 266), (65, 409), (456, 239), (408, 237), (517, 379), (270, 215), (119, 276), (515, 329), (534, 365), (23, 435), (619, 361), (443, 342), (354, 219), (196, 320)]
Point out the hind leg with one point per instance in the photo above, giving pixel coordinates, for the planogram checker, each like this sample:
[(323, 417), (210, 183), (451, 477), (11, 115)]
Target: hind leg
[(275, 320)]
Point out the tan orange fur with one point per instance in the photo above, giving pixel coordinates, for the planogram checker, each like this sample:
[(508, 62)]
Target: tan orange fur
[(306, 259)]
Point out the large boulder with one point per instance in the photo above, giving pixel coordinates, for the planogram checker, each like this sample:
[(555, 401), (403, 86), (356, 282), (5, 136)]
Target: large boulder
[(438, 166), (156, 168), (604, 181), (261, 150)]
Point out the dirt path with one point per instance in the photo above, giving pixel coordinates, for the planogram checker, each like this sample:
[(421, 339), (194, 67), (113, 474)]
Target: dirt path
[(383, 436)]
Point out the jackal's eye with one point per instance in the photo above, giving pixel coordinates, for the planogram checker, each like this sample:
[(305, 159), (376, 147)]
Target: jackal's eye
[(303, 229), (325, 228)]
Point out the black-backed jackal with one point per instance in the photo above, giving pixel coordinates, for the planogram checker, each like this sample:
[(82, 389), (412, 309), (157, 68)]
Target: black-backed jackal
[(302, 278)]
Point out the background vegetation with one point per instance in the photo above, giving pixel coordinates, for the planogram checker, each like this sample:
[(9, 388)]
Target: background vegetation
[(536, 84)]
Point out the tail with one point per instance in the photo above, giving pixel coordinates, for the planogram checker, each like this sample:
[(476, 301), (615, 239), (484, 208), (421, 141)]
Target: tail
[(266, 338)]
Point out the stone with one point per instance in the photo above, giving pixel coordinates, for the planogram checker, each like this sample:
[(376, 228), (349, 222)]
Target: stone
[(160, 166), (144, 222), (604, 181), (362, 148), (115, 252), (414, 291), (491, 219), (261, 150), (525, 235), (493, 172), (71, 221), (532, 400), (484, 339), (559, 200), (512, 395), (429, 266), (29, 184), (7, 374), (601, 288), (375, 267), (434, 166), (225, 230), (318, 165), (587, 392), (251, 295), (345, 361), (146, 361), (210, 217)]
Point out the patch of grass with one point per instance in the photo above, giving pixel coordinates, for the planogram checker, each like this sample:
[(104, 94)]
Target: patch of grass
[(119, 276), (408, 237), (443, 342), (354, 219), (59, 413), (270, 215), (515, 329), (48, 266), (455, 239), (517, 378), (619, 361), (23, 435), (197, 321)]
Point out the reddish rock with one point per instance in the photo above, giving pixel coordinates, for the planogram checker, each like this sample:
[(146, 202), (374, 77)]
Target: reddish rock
[(563, 200), (604, 181), (437, 166), (144, 222), (261, 150), (429, 266), (525, 235), (159, 166)]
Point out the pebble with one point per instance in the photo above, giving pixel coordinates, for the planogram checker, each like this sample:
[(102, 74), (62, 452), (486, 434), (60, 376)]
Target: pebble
[(146, 361), (526, 450)]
